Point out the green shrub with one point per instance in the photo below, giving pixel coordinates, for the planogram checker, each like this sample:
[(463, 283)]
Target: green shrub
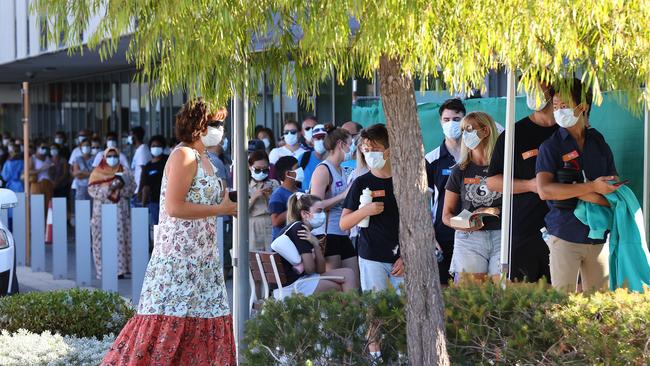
[(76, 312), (525, 324), (326, 329), (609, 328)]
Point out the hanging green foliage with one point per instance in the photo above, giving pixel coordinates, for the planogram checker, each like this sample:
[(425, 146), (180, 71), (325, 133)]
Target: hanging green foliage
[(207, 46)]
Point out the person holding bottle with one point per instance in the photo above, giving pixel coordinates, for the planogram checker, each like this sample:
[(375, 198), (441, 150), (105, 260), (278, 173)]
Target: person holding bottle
[(259, 191)]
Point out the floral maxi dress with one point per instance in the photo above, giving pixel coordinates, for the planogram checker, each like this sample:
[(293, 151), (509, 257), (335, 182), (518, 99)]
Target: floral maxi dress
[(183, 316)]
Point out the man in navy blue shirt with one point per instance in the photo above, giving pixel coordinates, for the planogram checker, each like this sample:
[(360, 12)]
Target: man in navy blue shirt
[(575, 163), (438, 164)]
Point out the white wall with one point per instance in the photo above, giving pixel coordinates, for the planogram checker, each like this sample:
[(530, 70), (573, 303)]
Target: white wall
[(7, 16)]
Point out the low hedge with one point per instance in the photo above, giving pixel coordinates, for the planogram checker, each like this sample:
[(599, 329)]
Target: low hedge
[(524, 324), (76, 312)]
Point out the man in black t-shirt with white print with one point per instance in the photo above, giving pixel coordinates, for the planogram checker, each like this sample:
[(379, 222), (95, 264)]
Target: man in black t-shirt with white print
[(529, 254)]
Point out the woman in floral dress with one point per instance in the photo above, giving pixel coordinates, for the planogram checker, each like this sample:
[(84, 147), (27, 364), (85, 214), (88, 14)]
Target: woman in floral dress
[(183, 316), (108, 183)]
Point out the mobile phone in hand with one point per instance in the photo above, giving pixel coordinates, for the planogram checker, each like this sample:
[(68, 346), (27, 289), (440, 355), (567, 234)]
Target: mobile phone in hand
[(232, 195), (618, 184)]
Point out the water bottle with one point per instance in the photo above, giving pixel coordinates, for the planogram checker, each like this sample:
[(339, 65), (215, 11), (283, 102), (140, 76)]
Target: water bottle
[(366, 198), (545, 235)]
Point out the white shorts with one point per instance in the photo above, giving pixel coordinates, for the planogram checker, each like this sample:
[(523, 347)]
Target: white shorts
[(306, 288)]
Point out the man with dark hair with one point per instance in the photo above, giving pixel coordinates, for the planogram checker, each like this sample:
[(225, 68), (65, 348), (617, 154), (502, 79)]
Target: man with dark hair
[(575, 163), (141, 156), (528, 252), (60, 139), (287, 171), (438, 165), (308, 124)]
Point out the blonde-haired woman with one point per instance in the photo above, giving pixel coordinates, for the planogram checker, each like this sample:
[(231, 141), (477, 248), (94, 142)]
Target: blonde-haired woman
[(476, 249)]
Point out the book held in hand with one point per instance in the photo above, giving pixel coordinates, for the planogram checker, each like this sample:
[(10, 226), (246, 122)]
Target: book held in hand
[(473, 220)]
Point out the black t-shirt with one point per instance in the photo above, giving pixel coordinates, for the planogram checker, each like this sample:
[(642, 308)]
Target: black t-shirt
[(303, 247), (471, 185), (528, 210), (152, 174), (380, 240)]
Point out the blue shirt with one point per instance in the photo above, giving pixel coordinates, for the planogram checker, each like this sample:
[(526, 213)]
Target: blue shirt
[(438, 165), (11, 172), (308, 169), (278, 205), (595, 160)]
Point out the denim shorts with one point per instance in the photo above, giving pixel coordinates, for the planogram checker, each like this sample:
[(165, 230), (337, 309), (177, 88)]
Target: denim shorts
[(375, 276), (477, 252)]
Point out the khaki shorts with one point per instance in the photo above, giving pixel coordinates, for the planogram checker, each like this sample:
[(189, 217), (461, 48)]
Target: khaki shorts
[(569, 259)]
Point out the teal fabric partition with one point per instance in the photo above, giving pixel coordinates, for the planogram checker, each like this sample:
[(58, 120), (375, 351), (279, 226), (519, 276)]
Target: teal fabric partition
[(621, 128)]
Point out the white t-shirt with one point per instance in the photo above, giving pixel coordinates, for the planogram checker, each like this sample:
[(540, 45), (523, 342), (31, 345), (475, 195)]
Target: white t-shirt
[(76, 153), (141, 157), (279, 152), (100, 155)]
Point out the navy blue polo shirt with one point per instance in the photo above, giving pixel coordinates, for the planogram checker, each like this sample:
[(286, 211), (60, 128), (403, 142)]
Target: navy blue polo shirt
[(595, 160), (439, 164)]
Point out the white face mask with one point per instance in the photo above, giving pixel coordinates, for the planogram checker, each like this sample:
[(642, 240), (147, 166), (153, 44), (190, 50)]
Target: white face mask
[(5, 142), (300, 175), (451, 129), (156, 151), (58, 141), (112, 161), (309, 135), (291, 139), (85, 150), (317, 220), (54, 152), (350, 153), (214, 136), (267, 143), (536, 102), (471, 139), (259, 176), (42, 151), (129, 140), (94, 150), (111, 144), (319, 146), (564, 117), (374, 159)]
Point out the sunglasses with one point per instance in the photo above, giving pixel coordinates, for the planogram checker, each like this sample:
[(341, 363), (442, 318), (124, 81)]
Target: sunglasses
[(215, 124), (290, 132), (307, 128), (260, 171)]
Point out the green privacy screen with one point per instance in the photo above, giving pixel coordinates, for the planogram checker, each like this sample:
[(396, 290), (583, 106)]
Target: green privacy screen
[(622, 130)]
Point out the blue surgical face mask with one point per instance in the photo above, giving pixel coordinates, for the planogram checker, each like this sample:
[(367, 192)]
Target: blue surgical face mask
[(471, 139), (451, 129)]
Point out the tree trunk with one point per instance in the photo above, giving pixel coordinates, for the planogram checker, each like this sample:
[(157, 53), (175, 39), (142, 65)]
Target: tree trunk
[(425, 327)]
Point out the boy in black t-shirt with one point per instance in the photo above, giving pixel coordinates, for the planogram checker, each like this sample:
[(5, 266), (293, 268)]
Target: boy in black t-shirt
[(529, 254), (378, 245)]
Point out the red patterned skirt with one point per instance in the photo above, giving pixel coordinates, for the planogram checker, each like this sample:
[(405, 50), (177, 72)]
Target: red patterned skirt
[(171, 340)]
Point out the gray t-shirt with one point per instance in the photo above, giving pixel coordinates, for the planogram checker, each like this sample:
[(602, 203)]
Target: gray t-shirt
[(471, 185)]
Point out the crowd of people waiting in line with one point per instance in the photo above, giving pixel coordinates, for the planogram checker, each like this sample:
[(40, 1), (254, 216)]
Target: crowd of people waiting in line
[(329, 190)]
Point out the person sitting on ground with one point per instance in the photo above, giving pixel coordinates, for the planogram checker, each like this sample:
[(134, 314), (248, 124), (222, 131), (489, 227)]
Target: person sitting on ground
[(305, 213), (287, 170)]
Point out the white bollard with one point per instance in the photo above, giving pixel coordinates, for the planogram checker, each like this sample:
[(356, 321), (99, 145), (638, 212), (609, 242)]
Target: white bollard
[(83, 256), (37, 213), (60, 238), (109, 248), (139, 249), (19, 230)]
